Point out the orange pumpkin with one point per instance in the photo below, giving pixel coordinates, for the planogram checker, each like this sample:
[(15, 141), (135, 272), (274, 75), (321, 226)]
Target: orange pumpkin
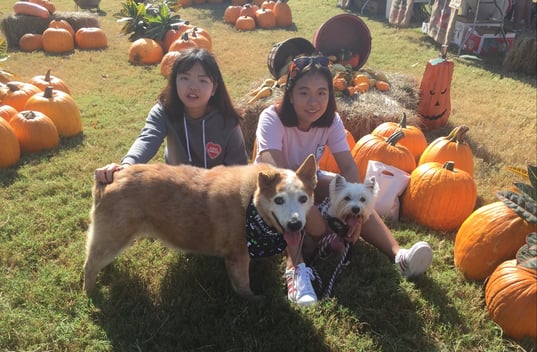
[(265, 19), (328, 162), (414, 139), (511, 293), (58, 40), (490, 235), (439, 196), (434, 106), (30, 42), (174, 34), (18, 93), (284, 17), (245, 23), (231, 14), (200, 37), (62, 24), (91, 38), (268, 5), (34, 131), (183, 43), (167, 62), (145, 51), (451, 147), (385, 150), (60, 107), (185, 3), (46, 4), (10, 152), (48, 80), (7, 112), (248, 10)]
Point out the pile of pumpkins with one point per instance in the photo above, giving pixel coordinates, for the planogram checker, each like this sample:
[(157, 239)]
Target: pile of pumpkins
[(34, 115), (265, 14), (350, 82), (60, 37), (441, 195)]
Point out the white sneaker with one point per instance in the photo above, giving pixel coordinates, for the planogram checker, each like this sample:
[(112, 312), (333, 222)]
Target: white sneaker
[(416, 260), (299, 288)]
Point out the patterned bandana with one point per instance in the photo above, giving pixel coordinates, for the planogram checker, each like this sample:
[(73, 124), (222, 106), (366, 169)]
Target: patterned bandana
[(263, 240)]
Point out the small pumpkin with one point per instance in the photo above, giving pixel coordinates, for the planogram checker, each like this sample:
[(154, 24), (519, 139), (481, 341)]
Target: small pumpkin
[(511, 293), (434, 105), (18, 93), (49, 80), (91, 38), (62, 24), (231, 14), (30, 42), (268, 5), (382, 86), (10, 152), (183, 43), (184, 3), (245, 23), (248, 10), (174, 34), (167, 62), (265, 19), (328, 162), (439, 196), (7, 112), (60, 107), (145, 51), (284, 16), (58, 40), (414, 139), (200, 37), (385, 150), (34, 131), (451, 147)]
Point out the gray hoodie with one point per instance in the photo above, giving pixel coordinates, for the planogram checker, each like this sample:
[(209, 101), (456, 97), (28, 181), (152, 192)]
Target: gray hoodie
[(205, 142)]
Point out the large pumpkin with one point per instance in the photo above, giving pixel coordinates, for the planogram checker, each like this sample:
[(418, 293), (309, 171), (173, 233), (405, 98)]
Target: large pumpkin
[(231, 14), (49, 80), (451, 147), (60, 107), (385, 150), (7, 112), (58, 41), (167, 62), (439, 196), (35, 131), (284, 17), (145, 51), (18, 93), (30, 42), (414, 139), (265, 18), (10, 152), (327, 162), (91, 38), (62, 24), (511, 293), (174, 34), (490, 235), (434, 106)]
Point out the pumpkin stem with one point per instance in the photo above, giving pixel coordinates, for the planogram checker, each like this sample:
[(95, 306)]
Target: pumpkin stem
[(47, 76), (48, 92), (28, 114), (395, 137), (402, 124), (12, 87), (449, 165), (458, 133)]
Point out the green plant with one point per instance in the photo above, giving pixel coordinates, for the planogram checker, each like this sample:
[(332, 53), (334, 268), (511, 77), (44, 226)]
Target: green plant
[(523, 200)]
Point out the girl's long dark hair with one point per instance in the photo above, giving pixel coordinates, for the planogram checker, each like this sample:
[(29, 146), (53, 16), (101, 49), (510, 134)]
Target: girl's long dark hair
[(221, 100), (285, 109)]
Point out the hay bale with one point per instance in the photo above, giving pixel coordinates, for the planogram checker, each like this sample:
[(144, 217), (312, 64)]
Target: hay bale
[(14, 26), (522, 57), (360, 114)]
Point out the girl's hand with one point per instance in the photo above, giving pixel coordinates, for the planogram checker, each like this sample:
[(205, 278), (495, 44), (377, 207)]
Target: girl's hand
[(105, 174)]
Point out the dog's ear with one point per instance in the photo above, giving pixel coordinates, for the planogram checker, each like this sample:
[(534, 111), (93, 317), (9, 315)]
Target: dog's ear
[(307, 172), (267, 179), (371, 183)]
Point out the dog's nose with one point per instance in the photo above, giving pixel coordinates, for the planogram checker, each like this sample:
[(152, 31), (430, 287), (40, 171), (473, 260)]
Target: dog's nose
[(355, 210), (294, 225)]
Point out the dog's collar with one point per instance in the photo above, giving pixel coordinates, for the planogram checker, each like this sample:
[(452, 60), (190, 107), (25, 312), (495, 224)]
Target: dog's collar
[(338, 226)]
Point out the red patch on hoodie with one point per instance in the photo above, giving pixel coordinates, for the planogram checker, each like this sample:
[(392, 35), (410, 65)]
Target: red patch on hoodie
[(213, 150)]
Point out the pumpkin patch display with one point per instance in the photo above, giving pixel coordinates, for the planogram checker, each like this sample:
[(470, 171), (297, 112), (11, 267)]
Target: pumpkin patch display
[(91, 38), (11, 151), (49, 80), (439, 196), (385, 150), (327, 162), (414, 139), (35, 131), (511, 293), (434, 106), (145, 51), (451, 147), (60, 107)]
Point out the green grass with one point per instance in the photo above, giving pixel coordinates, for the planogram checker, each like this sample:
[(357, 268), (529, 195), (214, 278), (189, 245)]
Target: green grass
[(154, 299)]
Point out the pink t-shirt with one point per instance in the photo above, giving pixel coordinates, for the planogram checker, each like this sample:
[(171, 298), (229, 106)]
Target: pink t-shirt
[(295, 144)]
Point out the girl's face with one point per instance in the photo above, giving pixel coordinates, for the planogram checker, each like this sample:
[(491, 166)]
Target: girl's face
[(194, 89), (310, 99)]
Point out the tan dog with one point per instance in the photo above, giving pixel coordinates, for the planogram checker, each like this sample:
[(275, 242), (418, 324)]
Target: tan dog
[(196, 210)]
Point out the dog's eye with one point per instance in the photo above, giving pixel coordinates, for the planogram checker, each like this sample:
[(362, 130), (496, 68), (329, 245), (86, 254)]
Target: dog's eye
[(347, 198), (279, 200), (362, 199), (303, 199)]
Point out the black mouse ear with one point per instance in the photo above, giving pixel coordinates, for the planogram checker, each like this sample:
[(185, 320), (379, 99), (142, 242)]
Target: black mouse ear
[(338, 226)]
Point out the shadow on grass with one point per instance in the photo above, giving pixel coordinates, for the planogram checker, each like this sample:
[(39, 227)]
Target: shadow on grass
[(196, 309)]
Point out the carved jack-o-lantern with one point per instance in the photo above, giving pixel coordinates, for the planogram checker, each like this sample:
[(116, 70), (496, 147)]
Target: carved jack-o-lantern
[(434, 106)]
